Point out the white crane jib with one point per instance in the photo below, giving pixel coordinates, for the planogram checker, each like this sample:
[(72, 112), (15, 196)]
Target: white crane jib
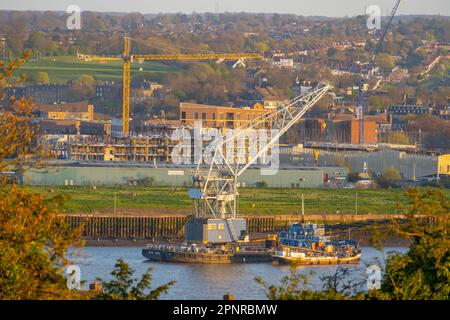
[(215, 190)]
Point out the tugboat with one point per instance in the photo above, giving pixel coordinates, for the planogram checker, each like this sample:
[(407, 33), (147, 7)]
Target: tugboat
[(306, 244)]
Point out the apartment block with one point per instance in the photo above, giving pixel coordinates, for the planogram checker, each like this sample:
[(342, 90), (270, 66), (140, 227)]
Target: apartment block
[(222, 117)]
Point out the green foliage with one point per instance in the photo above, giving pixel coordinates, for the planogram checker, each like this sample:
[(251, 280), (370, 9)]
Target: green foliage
[(123, 286), (42, 78), (83, 87), (445, 182), (261, 46), (295, 286), (375, 103), (385, 61), (331, 52), (395, 137), (261, 184), (389, 178), (38, 41), (353, 176), (423, 273), (270, 201)]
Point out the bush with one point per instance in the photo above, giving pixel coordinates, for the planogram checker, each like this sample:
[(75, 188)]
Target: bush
[(261, 184), (445, 182), (389, 178), (353, 177), (147, 181)]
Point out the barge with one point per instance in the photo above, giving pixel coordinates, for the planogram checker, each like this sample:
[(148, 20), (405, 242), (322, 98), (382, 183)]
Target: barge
[(207, 255)]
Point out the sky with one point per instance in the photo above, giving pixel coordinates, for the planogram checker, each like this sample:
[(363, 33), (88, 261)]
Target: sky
[(331, 8)]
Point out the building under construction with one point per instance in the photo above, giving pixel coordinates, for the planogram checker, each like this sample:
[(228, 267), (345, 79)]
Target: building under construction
[(82, 143), (152, 148)]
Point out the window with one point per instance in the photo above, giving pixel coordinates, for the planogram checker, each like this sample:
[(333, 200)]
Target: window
[(230, 120), (214, 116), (183, 117), (203, 115), (196, 115)]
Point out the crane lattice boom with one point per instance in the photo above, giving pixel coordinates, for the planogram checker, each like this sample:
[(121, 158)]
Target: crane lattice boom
[(215, 190)]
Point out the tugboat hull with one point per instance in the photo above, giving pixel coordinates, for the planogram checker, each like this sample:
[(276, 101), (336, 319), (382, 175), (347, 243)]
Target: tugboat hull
[(317, 260)]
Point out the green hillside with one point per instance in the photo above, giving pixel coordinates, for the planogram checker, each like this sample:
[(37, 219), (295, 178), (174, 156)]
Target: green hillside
[(63, 68)]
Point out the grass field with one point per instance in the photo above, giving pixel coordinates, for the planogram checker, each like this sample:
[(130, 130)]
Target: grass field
[(253, 201), (63, 68)]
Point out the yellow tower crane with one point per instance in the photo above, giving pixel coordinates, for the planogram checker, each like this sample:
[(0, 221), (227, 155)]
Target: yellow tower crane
[(127, 59)]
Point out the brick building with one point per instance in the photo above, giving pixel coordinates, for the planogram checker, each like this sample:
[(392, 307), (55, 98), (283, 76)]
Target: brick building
[(334, 131), (221, 117)]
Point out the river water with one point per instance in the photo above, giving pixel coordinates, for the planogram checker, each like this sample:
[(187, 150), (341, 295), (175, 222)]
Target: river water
[(203, 282)]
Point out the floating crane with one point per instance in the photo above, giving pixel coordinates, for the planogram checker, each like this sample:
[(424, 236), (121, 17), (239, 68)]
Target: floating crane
[(215, 189), (128, 58), (378, 49)]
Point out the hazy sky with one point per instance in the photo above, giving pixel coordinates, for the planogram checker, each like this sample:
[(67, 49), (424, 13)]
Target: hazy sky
[(302, 7)]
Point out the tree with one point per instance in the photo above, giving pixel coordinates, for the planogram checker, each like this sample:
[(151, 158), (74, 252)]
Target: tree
[(83, 87), (389, 178), (33, 237), (331, 52), (38, 41), (121, 287), (396, 137), (295, 286), (353, 177), (385, 61), (375, 103), (42, 78), (18, 139), (33, 243), (423, 273), (261, 46)]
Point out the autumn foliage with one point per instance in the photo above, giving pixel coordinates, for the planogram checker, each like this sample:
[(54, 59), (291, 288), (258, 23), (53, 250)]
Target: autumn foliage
[(33, 238)]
